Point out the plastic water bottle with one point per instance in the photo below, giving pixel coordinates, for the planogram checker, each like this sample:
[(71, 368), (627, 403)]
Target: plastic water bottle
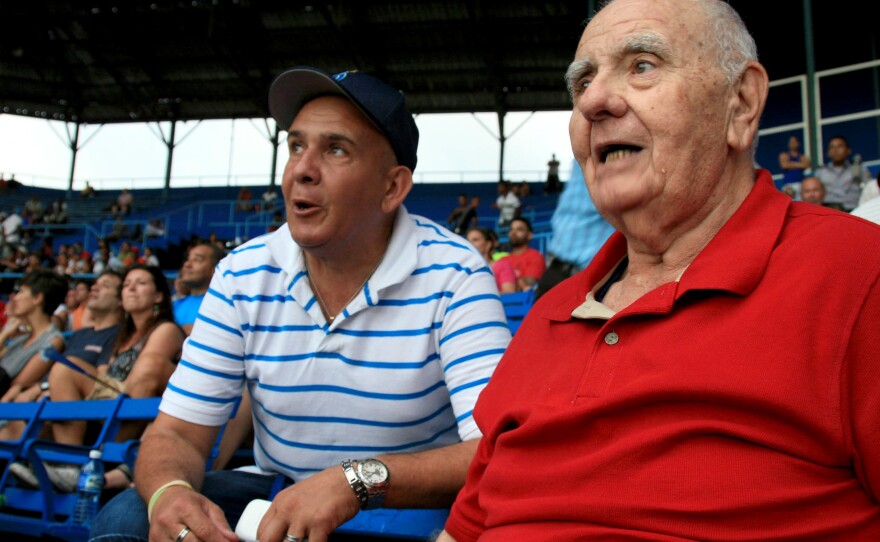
[(88, 489)]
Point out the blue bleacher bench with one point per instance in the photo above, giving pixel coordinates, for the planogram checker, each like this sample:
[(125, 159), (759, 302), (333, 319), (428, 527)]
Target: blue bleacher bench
[(46, 511)]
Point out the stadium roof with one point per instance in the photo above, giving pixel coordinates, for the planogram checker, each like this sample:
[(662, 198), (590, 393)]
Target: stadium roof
[(104, 61)]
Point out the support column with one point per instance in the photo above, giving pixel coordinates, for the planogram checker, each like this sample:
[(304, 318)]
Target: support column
[(814, 145), (502, 139), (73, 142), (273, 169), (169, 143)]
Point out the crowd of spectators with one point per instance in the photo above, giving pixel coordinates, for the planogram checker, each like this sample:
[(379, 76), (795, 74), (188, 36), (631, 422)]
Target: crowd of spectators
[(120, 332)]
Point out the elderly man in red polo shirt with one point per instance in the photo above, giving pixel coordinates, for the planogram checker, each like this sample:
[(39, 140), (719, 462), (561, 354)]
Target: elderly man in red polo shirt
[(712, 374)]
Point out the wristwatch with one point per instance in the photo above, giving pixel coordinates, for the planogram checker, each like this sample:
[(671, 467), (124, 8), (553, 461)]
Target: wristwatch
[(375, 476), (360, 490)]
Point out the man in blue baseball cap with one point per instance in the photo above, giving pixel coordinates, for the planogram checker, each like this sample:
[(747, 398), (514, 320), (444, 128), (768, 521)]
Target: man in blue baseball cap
[(362, 334)]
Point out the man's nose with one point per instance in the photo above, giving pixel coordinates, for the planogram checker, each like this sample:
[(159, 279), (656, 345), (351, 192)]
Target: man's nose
[(304, 167), (602, 98)]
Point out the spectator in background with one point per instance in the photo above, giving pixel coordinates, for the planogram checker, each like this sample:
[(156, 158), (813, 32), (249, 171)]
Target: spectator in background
[(120, 229), (29, 331), (88, 191), (12, 225), (61, 261), (73, 263), (456, 219), (17, 260), (33, 211), (80, 316), (180, 290), (269, 197), (85, 264), (842, 179), (507, 204), (793, 163), (277, 222), (126, 254), (33, 263), (101, 260), (57, 212), (578, 232), (46, 252), (553, 184), (486, 241), (812, 191), (154, 228), (125, 202), (243, 201), (196, 274), (528, 263), (870, 209), (149, 257), (871, 190)]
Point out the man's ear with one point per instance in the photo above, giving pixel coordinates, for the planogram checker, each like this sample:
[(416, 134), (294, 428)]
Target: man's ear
[(399, 182), (747, 100)]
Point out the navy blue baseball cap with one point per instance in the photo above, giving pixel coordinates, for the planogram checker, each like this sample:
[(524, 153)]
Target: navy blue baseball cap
[(382, 104)]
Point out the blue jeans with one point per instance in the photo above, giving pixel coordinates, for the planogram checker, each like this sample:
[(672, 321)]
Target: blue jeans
[(124, 517)]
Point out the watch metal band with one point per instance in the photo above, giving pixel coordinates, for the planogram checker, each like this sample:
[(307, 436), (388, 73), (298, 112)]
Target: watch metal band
[(360, 490)]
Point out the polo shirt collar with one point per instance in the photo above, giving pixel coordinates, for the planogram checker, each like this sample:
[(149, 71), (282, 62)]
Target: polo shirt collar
[(393, 270), (733, 261)]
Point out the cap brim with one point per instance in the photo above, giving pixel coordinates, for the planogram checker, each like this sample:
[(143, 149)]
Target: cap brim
[(294, 88)]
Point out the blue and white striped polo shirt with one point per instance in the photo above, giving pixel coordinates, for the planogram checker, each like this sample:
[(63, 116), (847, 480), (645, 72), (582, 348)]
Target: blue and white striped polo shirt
[(398, 371)]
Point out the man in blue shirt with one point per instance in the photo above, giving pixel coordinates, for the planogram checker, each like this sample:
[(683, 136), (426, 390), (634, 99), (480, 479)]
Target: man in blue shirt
[(196, 273), (578, 232)]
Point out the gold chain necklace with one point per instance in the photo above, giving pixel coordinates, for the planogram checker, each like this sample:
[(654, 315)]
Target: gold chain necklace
[(317, 291)]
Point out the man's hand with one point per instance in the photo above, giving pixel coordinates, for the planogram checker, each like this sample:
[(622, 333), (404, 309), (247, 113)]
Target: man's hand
[(311, 509), (181, 507)]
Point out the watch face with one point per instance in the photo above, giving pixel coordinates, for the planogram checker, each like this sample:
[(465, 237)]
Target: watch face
[(373, 471)]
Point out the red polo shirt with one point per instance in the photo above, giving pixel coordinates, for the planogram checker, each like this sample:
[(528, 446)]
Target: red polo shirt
[(740, 403)]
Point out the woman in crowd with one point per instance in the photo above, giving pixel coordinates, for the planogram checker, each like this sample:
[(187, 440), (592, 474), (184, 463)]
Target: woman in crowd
[(145, 354), (29, 331), (486, 241)]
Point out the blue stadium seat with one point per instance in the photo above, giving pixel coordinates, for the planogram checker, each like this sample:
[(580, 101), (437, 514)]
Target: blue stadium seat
[(516, 305)]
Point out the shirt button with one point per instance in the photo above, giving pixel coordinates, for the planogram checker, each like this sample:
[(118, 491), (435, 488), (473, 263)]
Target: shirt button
[(611, 339)]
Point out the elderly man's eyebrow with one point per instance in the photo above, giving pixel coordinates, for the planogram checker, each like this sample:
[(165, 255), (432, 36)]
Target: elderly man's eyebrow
[(575, 71), (648, 42)]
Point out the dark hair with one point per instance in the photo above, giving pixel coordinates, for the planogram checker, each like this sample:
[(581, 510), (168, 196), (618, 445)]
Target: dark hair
[(488, 234), (52, 285), (83, 280), (113, 273), (525, 221), (217, 253), (840, 137), (164, 310)]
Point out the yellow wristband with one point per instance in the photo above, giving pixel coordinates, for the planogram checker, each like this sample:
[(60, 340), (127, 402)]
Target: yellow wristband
[(158, 493)]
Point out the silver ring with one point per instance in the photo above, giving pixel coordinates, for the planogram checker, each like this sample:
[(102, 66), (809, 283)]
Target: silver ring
[(182, 534), (290, 538)]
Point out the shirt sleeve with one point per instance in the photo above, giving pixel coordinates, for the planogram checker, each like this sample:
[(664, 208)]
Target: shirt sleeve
[(861, 375), (466, 519), (473, 338), (504, 273), (210, 375)]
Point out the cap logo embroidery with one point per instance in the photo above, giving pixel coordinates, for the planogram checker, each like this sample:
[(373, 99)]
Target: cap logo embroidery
[(340, 76)]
